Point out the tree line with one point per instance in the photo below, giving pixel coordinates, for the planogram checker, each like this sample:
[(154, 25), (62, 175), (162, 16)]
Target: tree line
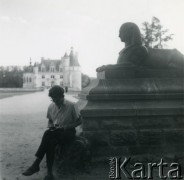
[(11, 79)]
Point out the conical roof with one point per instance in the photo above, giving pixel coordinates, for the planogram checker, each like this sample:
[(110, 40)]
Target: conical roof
[(73, 58)]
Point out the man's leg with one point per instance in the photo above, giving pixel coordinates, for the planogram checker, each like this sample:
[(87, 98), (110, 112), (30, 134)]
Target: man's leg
[(58, 137), (50, 153), (40, 153), (61, 137), (47, 146), (47, 137)]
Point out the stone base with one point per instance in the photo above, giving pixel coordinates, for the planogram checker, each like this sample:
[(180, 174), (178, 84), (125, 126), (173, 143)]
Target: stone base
[(134, 112)]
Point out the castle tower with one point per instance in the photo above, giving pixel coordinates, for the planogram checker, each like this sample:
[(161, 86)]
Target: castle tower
[(75, 71), (72, 72), (66, 60)]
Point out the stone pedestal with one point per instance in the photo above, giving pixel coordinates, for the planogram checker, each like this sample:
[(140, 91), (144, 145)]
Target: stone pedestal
[(134, 111)]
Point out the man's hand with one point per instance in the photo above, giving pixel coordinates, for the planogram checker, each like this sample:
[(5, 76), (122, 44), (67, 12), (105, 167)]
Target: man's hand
[(52, 128), (56, 126)]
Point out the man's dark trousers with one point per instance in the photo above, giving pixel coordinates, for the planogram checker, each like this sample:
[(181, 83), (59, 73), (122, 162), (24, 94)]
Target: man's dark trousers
[(49, 141)]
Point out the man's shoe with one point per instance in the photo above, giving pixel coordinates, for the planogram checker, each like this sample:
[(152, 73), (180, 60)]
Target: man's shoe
[(31, 170), (49, 177)]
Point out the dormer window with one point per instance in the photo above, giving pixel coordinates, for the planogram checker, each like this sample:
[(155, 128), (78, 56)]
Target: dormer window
[(42, 68), (52, 69)]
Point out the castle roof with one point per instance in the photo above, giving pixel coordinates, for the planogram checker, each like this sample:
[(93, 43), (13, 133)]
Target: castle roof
[(47, 63), (66, 55), (73, 59)]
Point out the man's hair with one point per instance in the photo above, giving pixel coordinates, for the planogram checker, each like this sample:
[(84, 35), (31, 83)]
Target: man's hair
[(56, 91)]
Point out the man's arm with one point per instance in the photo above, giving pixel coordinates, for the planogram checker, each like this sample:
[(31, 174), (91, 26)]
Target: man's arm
[(50, 123)]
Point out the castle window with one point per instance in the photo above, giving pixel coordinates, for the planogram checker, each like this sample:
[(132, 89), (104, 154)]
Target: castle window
[(43, 83), (52, 76), (61, 76), (27, 79), (43, 76), (30, 80), (60, 69)]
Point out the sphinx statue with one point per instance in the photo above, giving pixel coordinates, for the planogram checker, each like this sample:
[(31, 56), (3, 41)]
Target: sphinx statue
[(136, 106), (135, 54)]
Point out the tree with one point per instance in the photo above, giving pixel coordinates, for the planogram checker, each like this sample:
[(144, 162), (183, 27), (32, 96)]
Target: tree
[(154, 35), (11, 79)]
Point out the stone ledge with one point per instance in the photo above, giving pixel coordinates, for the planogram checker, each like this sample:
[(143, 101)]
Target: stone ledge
[(117, 97), (120, 72), (139, 86), (128, 108)]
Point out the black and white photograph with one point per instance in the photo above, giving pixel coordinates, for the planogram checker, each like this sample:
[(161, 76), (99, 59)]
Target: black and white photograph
[(91, 89)]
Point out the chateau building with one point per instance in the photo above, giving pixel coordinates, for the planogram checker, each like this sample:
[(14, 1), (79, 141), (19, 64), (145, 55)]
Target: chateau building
[(64, 72)]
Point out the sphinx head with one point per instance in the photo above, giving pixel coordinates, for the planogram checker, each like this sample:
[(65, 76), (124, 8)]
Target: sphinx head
[(130, 34)]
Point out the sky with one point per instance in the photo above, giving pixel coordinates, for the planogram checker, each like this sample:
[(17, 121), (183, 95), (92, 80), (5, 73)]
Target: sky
[(49, 28)]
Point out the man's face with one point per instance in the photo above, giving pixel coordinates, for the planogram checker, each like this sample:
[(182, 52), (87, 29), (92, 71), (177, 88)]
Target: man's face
[(58, 100)]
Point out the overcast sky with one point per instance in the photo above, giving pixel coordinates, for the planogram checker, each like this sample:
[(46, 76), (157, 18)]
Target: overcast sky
[(48, 28)]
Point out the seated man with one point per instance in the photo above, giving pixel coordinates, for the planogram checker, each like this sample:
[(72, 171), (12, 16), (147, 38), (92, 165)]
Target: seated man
[(63, 117)]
